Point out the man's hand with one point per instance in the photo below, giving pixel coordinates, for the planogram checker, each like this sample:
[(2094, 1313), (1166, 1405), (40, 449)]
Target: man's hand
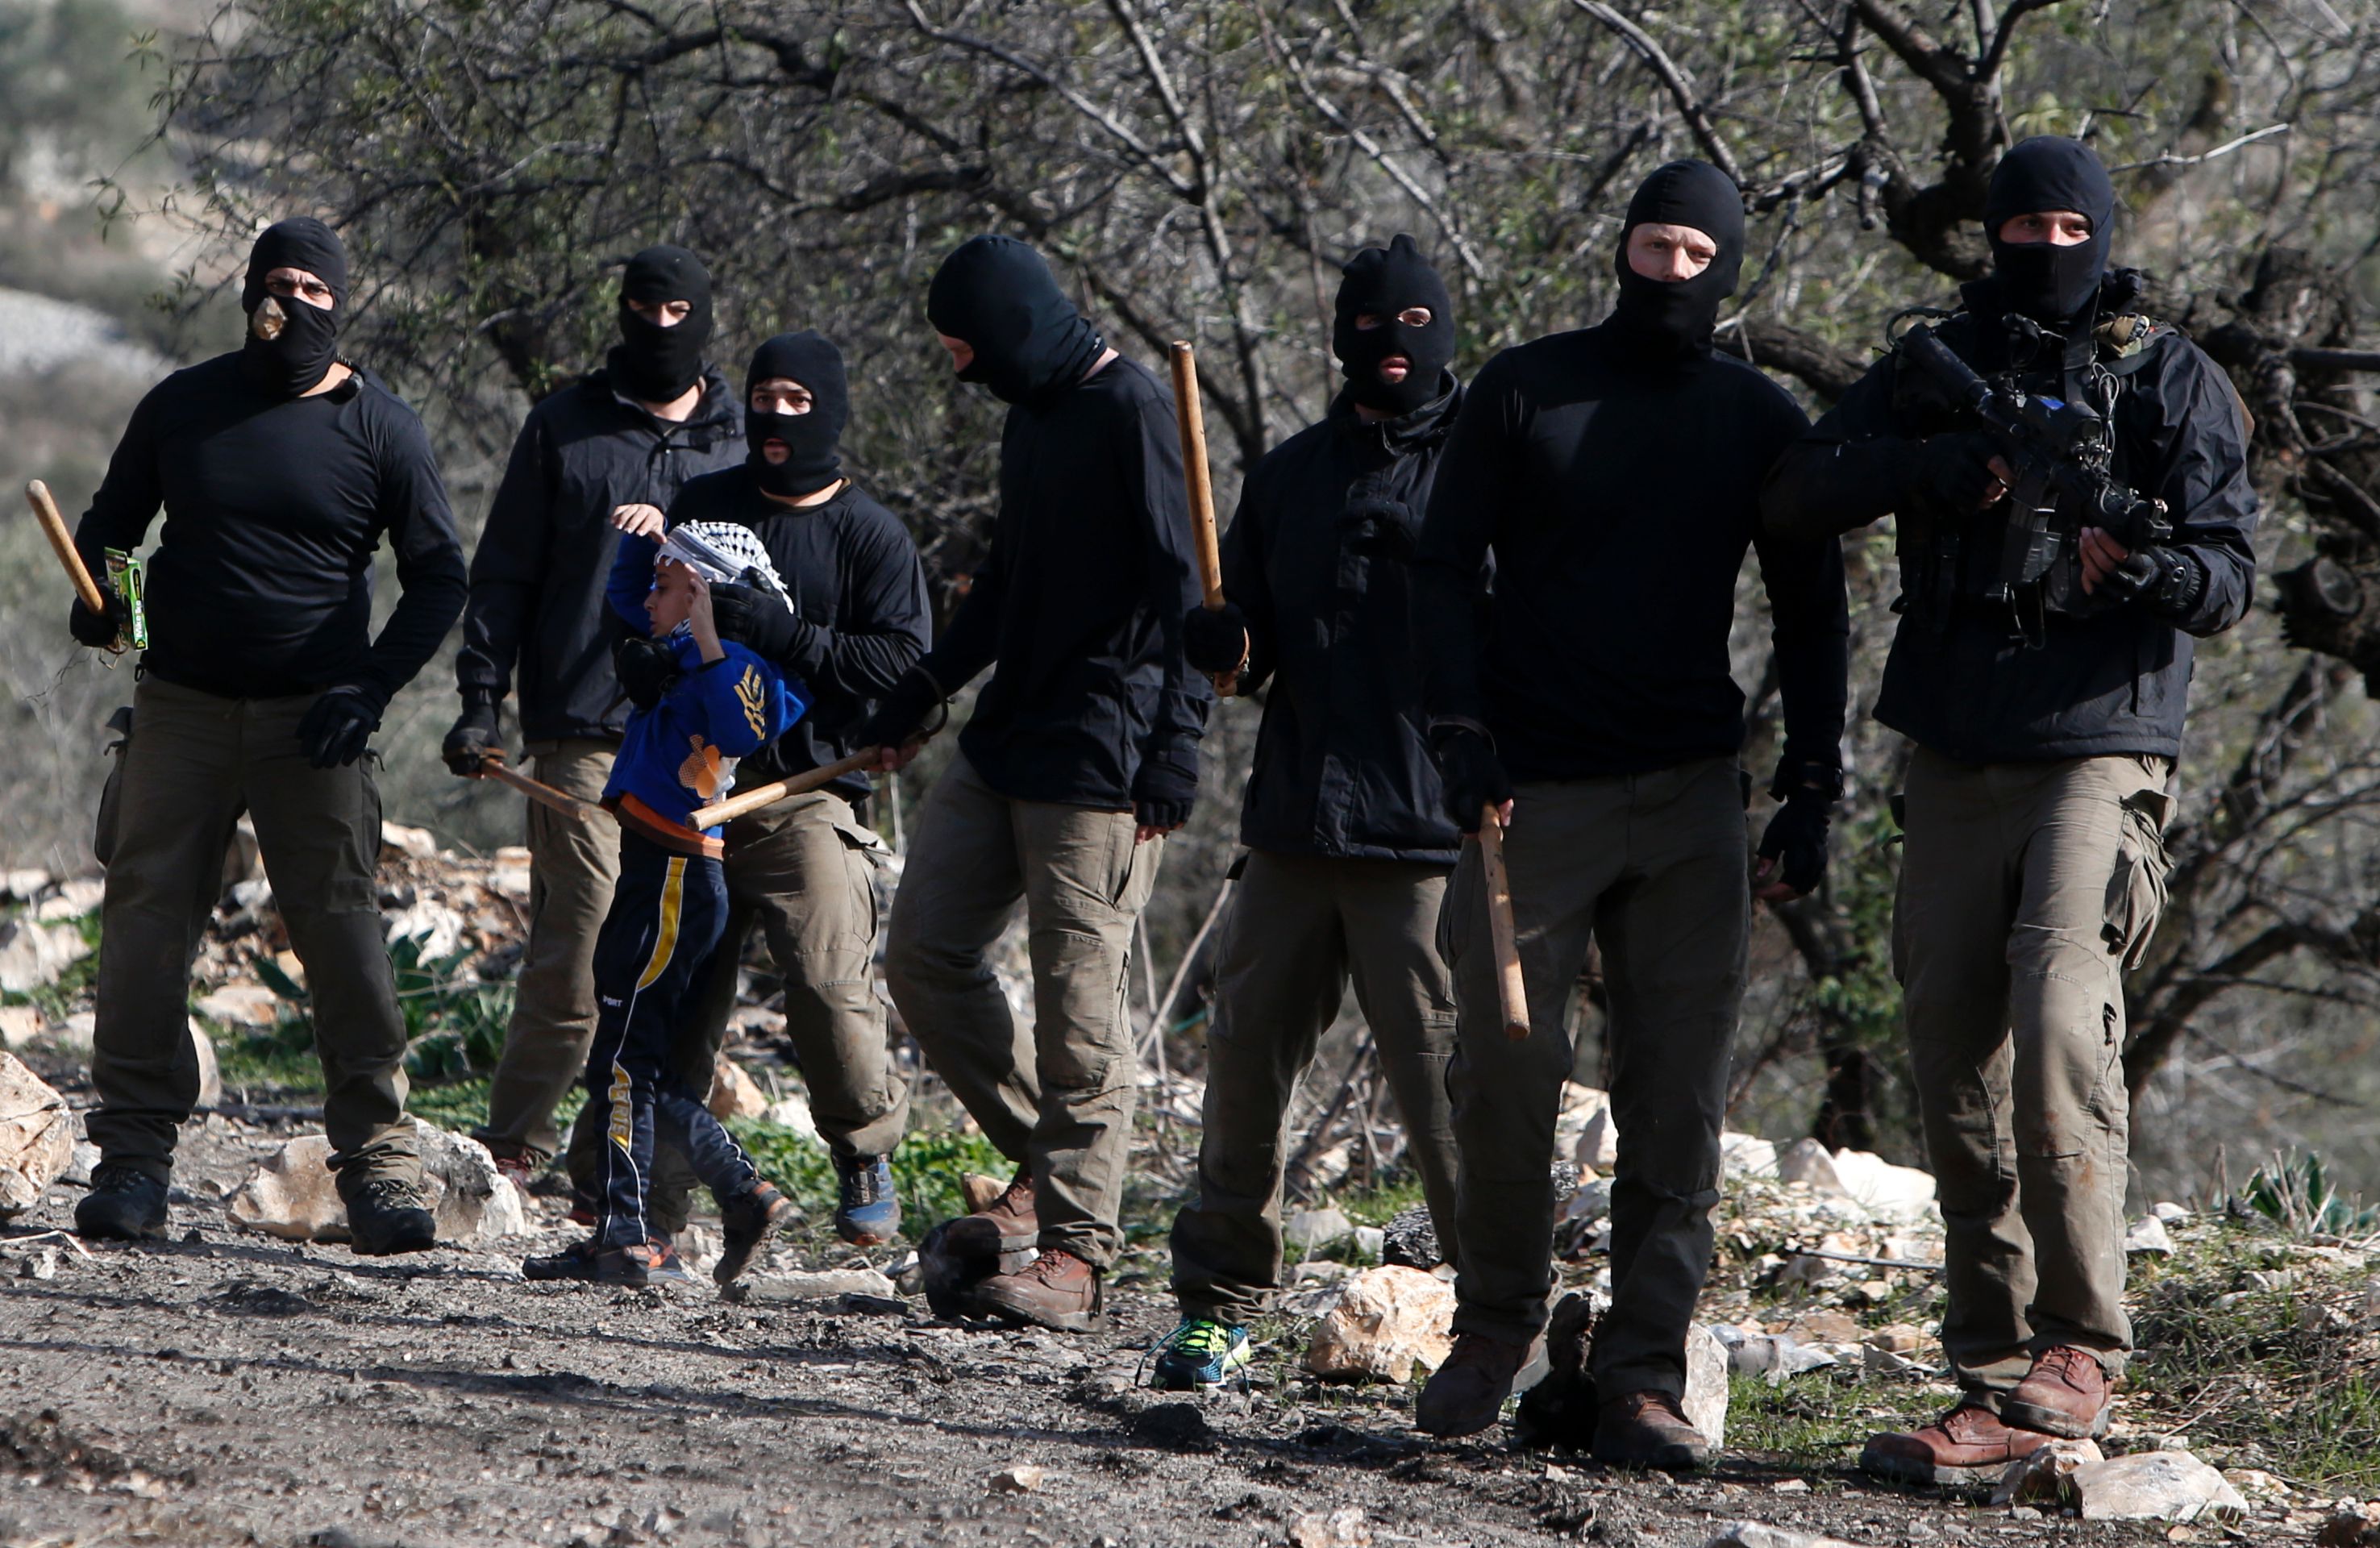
[(100, 629), (475, 736), (2166, 580), (754, 618), (701, 618), (645, 667), (1164, 789), (639, 521), (1797, 837), (1217, 641), (2101, 555), (899, 718), (336, 730), (1956, 474), (1473, 775)]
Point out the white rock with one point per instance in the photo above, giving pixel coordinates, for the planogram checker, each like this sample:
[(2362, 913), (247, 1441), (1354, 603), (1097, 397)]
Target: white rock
[(1022, 1479), (2148, 1235), (1371, 1241), (1886, 1362), (75, 897), (2156, 1486), (817, 1284), (734, 1094), (34, 955), (19, 1025), (1773, 1355), (240, 1005), (293, 1194), (2256, 1483), (2171, 1213), (1807, 1162), (1598, 1142), (1591, 1201), (1579, 1106), (1343, 1527), (435, 930), (1756, 1534), (86, 1161), (476, 1203), (1309, 1229), (793, 1112), (513, 882), (1706, 1399), (1387, 1322), (1882, 1188), (73, 1036), (37, 1137), (210, 1070), (2041, 1477), (417, 842), (1742, 1155), (23, 886)]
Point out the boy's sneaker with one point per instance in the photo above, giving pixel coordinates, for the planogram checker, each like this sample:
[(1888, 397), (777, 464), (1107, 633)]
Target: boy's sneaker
[(387, 1215), (1200, 1353), (745, 1222), (865, 1214), (124, 1204), (589, 1262)]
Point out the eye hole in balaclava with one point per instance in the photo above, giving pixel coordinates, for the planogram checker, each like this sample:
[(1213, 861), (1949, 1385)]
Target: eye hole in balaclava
[(2054, 286), (1676, 317), (812, 440), (291, 344), (999, 296), (1381, 283), (654, 363)]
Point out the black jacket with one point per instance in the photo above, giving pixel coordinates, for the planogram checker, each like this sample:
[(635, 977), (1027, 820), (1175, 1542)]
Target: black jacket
[(2115, 682), (1618, 499), (1078, 607), (262, 582), (1342, 767), (537, 622), (858, 592)]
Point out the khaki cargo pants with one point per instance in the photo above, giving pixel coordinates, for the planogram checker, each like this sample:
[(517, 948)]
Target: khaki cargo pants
[(2026, 889), (573, 865), (1653, 868), (192, 764), (1299, 926), (1059, 1098)]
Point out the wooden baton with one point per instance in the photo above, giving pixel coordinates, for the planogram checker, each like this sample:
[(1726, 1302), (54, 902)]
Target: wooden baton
[(493, 767), (1512, 990), (748, 801), (45, 511), (1192, 420)]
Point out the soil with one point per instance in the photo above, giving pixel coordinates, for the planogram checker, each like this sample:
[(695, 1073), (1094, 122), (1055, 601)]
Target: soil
[(220, 1387)]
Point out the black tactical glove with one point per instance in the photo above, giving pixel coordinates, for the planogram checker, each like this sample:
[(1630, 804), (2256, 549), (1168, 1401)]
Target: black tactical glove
[(1167, 784), (2165, 580), (1381, 527), (901, 714), (1948, 476), (1798, 833), (1216, 641), (1474, 777), (645, 666), (754, 617), (474, 737), (99, 630), (335, 730)]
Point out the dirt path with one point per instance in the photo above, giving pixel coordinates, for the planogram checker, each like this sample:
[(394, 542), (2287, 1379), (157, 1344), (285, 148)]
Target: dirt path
[(225, 1389)]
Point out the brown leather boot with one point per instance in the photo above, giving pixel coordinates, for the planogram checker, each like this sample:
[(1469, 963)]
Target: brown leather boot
[(1465, 1394), (2064, 1393), (1056, 1290), (1968, 1444), (1648, 1430), (1007, 1224)]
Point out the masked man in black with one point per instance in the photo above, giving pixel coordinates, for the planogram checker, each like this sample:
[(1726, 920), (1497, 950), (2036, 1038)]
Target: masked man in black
[(803, 869), (279, 467), (1349, 846), (621, 439), (2048, 713), (1081, 754), (1613, 475)]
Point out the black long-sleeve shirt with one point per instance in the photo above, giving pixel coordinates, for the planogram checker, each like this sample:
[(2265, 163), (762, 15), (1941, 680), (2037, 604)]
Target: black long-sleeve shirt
[(537, 579), (860, 598), (1618, 499), (262, 582), (1078, 607), (2113, 682), (1343, 766)]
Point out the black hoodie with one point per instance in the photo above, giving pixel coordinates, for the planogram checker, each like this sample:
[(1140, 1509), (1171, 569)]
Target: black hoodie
[(537, 611)]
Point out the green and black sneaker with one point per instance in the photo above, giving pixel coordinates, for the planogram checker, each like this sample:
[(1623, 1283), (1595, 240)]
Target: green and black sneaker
[(1199, 1354)]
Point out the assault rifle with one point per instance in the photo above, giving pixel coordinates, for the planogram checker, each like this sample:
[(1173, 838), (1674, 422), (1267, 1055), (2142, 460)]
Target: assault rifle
[(2061, 455)]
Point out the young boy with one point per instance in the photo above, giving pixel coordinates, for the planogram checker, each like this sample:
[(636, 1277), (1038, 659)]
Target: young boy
[(715, 702)]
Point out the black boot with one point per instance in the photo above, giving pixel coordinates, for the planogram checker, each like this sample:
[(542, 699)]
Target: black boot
[(387, 1215), (124, 1204), (748, 1220)]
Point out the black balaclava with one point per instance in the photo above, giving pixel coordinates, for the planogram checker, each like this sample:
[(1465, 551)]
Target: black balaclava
[(292, 343), (652, 363), (997, 295), (1384, 282), (2054, 286), (811, 438), (1677, 318)]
